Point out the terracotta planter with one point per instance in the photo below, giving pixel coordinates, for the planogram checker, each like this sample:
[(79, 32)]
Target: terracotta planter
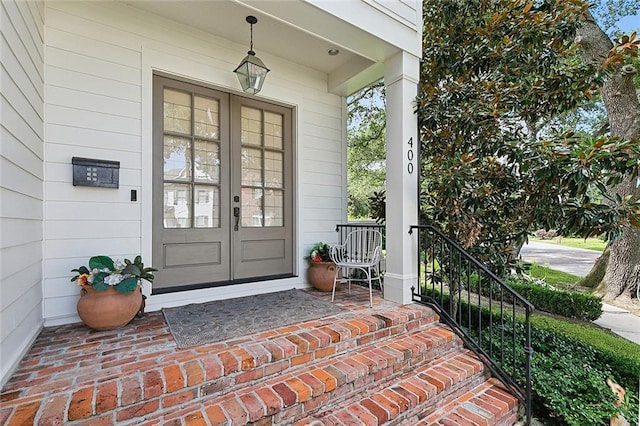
[(320, 275), (108, 310)]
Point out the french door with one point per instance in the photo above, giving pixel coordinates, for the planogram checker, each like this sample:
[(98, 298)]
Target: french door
[(222, 188)]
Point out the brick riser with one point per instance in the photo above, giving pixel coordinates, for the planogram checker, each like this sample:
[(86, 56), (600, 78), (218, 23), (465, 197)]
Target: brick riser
[(383, 366), (457, 382), (309, 388), (132, 387)]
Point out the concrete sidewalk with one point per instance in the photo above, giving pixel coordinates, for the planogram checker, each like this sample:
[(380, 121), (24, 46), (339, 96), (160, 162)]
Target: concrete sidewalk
[(579, 262)]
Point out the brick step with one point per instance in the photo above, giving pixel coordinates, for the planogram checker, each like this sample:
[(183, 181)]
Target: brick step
[(486, 404), (153, 375), (299, 392), (410, 397)]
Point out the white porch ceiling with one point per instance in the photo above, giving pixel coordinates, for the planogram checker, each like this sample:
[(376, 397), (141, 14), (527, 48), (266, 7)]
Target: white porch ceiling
[(281, 31)]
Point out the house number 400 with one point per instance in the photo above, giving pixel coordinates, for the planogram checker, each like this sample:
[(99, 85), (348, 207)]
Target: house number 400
[(410, 156)]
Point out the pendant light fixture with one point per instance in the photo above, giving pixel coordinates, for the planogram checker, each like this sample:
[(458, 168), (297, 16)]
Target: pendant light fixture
[(251, 71)]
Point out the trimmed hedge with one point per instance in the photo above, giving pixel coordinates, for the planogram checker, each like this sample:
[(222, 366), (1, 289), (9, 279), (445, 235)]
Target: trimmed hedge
[(570, 304)]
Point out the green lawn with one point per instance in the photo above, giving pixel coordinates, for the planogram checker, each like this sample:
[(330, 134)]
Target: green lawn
[(553, 276), (589, 244)]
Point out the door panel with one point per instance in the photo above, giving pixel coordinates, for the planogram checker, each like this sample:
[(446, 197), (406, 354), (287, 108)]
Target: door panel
[(222, 187), (191, 219), (262, 181)]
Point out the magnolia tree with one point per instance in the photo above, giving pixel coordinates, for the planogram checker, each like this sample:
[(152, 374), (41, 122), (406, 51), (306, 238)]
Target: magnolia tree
[(617, 272), (494, 161)]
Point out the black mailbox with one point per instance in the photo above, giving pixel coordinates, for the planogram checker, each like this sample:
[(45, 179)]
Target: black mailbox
[(92, 172)]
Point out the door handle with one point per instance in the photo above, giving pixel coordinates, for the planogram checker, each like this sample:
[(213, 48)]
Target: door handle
[(236, 214)]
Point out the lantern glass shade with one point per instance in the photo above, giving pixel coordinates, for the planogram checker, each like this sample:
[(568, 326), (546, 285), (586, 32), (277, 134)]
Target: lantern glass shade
[(251, 73)]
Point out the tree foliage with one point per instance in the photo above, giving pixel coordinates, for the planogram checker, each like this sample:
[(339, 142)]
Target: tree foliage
[(495, 75), (366, 148)]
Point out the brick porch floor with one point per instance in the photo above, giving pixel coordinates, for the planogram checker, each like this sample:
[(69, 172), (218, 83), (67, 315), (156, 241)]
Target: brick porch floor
[(387, 364)]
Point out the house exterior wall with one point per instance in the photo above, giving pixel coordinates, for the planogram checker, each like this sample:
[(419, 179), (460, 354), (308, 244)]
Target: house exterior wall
[(21, 179), (100, 60), (395, 21)]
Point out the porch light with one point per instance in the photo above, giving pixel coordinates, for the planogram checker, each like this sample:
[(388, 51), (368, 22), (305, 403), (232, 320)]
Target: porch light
[(251, 71)]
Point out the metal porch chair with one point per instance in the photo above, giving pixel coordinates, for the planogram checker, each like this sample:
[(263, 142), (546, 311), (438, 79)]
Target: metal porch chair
[(361, 250)]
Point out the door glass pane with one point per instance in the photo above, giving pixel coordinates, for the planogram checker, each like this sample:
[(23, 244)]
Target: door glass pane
[(273, 208), (207, 121), (273, 130), (177, 111), (207, 207), (177, 205), (252, 207), (251, 126), (251, 167), (207, 161), (177, 158), (273, 169)]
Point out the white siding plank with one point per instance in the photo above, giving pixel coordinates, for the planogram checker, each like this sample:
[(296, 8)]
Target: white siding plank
[(65, 210), (62, 287), (77, 248), (27, 133), (21, 155), (315, 202), (60, 306), (85, 194), (19, 38), (16, 285), (19, 180), (323, 167), (92, 120), (23, 327), (24, 107), (313, 151), (36, 11), (68, 39), (19, 258), (16, 232), (31, 86), (334, 135), (92, 102), (93, 66), (98, 85), (16, 205), (322, 179), (69, 230), (91, 139)]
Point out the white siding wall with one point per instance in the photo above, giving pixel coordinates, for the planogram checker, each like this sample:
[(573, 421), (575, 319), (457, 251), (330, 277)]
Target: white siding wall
[(395, 21), (21, 179), (100, 58)]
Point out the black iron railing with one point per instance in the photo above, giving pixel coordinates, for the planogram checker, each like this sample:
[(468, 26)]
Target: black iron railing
[(491, 318), (343, 230)]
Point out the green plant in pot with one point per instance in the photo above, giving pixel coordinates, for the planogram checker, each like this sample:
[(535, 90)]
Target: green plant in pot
[(111, 293), (321, 270)]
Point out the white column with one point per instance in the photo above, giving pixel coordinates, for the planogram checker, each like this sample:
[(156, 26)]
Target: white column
[(401, 80)]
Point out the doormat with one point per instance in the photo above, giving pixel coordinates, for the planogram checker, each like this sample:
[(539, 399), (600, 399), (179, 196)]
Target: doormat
[(201, 323)]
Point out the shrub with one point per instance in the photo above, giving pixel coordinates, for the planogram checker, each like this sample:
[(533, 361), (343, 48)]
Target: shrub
[(569, 304), (569, 370), (621, 355)]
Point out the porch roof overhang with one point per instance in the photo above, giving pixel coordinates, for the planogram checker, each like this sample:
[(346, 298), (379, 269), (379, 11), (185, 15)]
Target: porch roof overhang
[(303, 32)]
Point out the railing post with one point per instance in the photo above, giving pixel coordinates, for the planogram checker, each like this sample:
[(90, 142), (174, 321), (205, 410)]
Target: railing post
[(528, 350)]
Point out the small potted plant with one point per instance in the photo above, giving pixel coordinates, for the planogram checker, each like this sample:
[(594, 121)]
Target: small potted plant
[(110, 294), (321, 270)]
